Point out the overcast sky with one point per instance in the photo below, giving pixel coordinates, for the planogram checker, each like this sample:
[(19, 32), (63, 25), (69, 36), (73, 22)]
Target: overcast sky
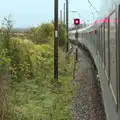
[(34, 12)]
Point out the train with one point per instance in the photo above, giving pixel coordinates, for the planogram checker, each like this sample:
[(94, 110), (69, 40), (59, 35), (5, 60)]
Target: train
[(102, 40)]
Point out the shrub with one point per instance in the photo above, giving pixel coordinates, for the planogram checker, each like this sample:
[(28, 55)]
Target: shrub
[(62, 35)]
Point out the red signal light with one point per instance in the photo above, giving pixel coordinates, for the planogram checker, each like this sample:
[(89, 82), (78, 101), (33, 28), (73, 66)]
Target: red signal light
[(76, 21), (95, 31)]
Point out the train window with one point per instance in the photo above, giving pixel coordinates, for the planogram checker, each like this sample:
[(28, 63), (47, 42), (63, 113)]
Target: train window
[(113, 53), (92, 37), (95, 35), (101, 41), (95, 39), (106, 45)]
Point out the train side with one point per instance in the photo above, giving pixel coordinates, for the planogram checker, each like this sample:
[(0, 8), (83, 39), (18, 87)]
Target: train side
[(103, 41)]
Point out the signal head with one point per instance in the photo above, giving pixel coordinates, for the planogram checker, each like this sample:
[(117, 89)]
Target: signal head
[(76, 21)]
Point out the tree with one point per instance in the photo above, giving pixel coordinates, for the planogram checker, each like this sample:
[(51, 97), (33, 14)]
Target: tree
[(6, 29), (62, 34)]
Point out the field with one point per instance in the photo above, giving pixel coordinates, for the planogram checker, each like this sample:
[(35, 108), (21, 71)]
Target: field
[(28, 90)]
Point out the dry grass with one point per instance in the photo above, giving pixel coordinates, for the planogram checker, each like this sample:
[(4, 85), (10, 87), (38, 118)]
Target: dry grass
[(3, 94)]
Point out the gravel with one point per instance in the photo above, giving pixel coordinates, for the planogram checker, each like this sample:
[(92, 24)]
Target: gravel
[(87, 102)]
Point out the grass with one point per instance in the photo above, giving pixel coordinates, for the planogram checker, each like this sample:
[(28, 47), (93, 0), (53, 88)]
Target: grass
[(43, 98), (32, 93)]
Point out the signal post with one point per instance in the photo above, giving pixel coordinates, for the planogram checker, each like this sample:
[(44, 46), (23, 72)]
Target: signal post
[(76, 23), (56, 39)]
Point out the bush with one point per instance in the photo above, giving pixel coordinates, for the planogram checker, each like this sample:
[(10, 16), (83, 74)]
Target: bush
[(28, 58), (33, 92), (45, 32), (62, 34), (41, 34)]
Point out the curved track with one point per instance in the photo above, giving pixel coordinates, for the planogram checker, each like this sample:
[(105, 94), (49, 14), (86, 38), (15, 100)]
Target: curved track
[(87, 102)]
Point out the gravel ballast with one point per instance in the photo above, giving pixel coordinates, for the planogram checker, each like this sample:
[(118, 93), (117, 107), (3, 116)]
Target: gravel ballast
[(87, 103)]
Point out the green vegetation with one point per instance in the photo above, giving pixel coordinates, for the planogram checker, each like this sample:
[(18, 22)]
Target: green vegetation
[(27, 88)]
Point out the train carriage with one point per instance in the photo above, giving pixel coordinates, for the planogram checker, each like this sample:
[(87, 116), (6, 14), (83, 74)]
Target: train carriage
[(102, 39)]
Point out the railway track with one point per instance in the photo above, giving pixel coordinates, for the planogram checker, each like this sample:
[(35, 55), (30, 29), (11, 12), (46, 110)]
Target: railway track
[(87, 102)]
